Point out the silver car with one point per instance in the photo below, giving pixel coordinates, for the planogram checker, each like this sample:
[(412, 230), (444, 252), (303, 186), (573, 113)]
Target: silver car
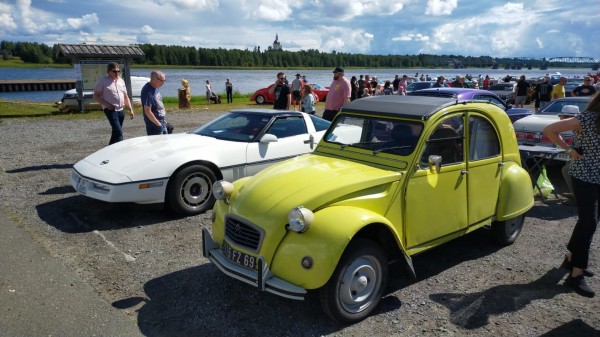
[(530, 130)]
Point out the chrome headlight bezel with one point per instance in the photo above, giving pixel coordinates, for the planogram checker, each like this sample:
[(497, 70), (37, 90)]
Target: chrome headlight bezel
[(300, 219), (222, 190)]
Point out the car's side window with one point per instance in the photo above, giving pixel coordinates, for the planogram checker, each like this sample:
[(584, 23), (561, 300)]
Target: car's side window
[(445, 141), (287, 127), (490, 99), (483, 139)]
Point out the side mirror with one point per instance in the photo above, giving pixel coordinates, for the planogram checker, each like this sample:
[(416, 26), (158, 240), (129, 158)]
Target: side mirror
[(435, 163), (268, 138)]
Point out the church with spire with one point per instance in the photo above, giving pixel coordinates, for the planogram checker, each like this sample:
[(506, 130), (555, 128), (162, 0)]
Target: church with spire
[(276, 44)]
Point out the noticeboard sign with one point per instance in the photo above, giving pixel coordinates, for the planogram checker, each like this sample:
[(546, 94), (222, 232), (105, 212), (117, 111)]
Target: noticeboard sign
[(89, 71)]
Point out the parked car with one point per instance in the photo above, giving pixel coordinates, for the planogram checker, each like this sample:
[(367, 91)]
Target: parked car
[(179, 169), (530, 130), (332, 220), (504, 90), (262, 96), (414, 86), (572, 83), (475, 94), (70, 100)]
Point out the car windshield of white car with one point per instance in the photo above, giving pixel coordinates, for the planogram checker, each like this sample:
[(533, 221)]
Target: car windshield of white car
[(239, 127), (556, 107), (375, 134)]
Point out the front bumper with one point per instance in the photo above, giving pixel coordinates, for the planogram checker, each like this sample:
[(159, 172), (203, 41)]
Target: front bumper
[(262, 279)]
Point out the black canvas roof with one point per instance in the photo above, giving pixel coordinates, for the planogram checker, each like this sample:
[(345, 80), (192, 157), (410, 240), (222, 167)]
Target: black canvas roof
[(399, 106)]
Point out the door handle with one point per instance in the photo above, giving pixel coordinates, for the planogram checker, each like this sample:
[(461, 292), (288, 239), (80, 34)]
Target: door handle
[(463, 172)]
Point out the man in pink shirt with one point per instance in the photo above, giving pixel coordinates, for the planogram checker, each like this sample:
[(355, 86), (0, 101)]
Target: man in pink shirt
[(111, 93), (339, 94)]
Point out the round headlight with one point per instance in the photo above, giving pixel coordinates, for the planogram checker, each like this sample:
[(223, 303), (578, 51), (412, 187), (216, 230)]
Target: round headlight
[(222, 190), (300, 218)]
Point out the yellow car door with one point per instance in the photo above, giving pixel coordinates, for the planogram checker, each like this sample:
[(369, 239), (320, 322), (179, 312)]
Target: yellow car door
[(436, 201)]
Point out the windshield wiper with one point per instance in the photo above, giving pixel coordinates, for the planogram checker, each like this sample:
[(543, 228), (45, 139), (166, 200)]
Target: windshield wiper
[(353, 144), (391, 148)]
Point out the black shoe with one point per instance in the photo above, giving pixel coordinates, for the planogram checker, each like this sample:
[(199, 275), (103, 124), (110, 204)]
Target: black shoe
[(579, 285), (568, 266)]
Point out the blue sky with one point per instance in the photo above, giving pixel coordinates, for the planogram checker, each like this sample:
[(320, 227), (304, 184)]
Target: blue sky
[(527, 28)]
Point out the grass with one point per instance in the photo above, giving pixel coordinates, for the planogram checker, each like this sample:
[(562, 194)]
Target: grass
[(26, 109)]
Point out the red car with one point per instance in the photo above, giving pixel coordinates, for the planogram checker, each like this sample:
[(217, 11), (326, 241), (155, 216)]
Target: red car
[(262, 96)]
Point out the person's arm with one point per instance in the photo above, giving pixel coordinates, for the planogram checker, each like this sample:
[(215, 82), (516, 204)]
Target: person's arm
[(128, 104), (289, 100), (272, 88), (553, 131), (98, 96), (150, 115)]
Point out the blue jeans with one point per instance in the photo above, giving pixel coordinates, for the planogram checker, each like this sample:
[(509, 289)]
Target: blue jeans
[(115, 118), (152, 129), (587, 196)]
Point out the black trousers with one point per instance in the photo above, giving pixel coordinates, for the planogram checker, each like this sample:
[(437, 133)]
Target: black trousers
[(329, 114), (587, 196)]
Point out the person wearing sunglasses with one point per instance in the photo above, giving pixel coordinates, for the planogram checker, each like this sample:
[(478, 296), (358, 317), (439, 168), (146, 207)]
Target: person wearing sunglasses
[(111, 93), (283, 94), (152, 103)]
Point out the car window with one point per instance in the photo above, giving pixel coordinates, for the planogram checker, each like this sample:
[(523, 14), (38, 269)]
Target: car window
[(319, 123), (445, 141), (376, 134), (234, 127), (556, 106), (287, 127), (483, 139), (492, 99)]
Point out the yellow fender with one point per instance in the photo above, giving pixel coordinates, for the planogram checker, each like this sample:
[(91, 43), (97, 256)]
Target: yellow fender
[(515, 196), (324, 242)]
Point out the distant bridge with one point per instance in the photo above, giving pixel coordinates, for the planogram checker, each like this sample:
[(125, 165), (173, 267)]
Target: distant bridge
[(562, 59)]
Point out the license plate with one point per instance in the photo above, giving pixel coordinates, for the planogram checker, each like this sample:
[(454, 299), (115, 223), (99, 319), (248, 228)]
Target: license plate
[(82, 185), (239, 258)]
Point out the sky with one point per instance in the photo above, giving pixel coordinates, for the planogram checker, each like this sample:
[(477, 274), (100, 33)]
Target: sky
[(526, 28)]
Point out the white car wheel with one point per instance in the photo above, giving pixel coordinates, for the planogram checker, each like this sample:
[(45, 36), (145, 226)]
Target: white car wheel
[(190, 191), (260, 99)]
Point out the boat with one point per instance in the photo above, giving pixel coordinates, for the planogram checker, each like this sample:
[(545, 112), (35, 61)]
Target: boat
[(70, 101)]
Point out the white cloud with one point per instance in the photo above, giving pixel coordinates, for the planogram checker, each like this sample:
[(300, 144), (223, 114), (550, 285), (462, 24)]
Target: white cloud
[(411, 37), (345, 10), (190, 4), (440, 7), (85, 22), (341, 39)]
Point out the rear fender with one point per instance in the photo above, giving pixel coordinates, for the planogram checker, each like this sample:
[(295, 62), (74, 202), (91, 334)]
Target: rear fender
[(516, 195)]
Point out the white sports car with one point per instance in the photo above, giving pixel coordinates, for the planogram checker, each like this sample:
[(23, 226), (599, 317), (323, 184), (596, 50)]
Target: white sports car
[(180, 169)]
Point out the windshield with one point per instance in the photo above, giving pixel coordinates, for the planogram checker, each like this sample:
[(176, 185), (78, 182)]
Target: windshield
[(502, 87), (234, 126), (376, 134), (555, 107)]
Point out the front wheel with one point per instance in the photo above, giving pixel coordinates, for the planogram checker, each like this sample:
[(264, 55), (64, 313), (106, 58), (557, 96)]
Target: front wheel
[(356, 286), (190, 191), (506, 232), (260, 99)]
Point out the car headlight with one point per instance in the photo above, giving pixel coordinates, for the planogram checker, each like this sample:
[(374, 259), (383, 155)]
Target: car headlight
[(299, 219), (222, 190)]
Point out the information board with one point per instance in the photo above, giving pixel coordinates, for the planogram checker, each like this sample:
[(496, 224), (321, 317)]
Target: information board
[(89, 71)]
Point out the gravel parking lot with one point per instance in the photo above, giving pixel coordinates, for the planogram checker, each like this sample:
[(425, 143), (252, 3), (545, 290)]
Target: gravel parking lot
[(148, 262)]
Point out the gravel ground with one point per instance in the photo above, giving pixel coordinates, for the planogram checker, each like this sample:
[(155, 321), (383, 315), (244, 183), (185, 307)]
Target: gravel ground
[(149, 263)]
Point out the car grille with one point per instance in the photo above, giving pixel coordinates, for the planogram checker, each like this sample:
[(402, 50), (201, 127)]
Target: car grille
[(242, 234)]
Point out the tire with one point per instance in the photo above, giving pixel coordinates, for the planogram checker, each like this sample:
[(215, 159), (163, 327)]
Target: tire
[(357, 284), (506, 232), (260, 99), (190, 191)]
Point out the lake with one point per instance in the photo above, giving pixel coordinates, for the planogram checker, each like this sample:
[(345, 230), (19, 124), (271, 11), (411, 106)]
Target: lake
[(248, 81)]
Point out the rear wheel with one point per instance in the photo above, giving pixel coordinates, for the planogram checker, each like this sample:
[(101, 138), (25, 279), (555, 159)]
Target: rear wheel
[(506, 232), (190, 191), (260, 99), (356, 286)]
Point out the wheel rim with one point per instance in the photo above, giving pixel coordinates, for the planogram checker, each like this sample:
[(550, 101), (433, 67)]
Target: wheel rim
[(260, 100), (360, 283), (195, 190), (513, 227)]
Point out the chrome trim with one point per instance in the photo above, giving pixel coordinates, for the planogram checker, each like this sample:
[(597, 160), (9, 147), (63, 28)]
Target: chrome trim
[(265, 281)]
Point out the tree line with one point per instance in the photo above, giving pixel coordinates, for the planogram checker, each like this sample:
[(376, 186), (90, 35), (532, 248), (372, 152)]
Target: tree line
[(34, 52)]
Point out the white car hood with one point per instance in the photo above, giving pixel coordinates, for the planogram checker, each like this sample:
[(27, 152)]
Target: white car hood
[(153, 157), (534, 123)]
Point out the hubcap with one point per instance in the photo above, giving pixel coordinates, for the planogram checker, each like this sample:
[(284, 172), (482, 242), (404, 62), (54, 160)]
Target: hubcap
[(195, 190), (360, 283)]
